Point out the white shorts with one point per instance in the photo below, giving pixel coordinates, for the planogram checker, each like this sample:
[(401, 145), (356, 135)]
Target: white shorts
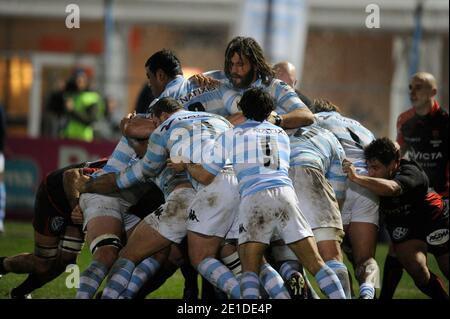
[(95, 205), (316, 197), (233, 232), (328, 233), (214, 207), (170, 218), (361, 205), (129, 221), (270, 210)]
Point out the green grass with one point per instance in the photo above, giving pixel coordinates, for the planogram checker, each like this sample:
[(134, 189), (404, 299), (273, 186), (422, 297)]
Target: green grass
[(19, 238)]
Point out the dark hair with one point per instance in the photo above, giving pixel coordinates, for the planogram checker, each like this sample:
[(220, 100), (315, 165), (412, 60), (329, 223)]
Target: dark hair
[(382, 149), (249, 48), (165, 104), (71, 85), (256, 104), (323, 105), (165, 60)]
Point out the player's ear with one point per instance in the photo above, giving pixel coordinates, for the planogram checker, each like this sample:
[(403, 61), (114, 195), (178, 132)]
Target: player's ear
[(161, 75), (433, 92)]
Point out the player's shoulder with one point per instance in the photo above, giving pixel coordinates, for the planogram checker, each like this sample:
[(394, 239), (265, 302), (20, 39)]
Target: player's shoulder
[(279, 86), (405, 116)]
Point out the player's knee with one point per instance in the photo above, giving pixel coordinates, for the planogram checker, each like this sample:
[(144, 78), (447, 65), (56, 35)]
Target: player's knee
[(229, 246), (196, 256), (69, 247), (105, 248), (418, 272)]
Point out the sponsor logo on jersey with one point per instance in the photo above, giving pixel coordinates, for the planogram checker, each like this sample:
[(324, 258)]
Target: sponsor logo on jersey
[(399, 232), (438, 237), (426, 156)]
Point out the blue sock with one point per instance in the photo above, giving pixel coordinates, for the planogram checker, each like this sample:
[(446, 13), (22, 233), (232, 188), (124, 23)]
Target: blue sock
[(250, 285), (342, 273), (143, 272), (91, 279), (366, 291), (273, 283), (118, 279), (288, 268), (220, 276), (329, 283), (2, 201)]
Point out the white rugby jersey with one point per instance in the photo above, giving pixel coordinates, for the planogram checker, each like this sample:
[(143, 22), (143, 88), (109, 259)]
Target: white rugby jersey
[(316, 147), (350, 133), (184, 134), (259, 153)]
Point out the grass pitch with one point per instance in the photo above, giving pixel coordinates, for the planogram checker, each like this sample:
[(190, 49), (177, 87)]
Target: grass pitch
[(18, 238)]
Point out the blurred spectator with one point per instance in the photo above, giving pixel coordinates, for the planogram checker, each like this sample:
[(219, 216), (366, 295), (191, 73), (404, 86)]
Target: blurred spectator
[(53, 117), (144, 99), (285, 71), (107, 128), (2, 168), (83, 106)]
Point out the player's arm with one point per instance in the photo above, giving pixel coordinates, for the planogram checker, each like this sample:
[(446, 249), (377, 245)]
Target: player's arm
[(379, 186), (294, 119), (195, 170), (296, 113), (204, 81), (103, 184), (69, 178), (150, 165), (138, 127)]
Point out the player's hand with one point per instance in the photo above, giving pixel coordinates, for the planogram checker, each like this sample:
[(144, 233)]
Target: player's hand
[(80, 182), (77, 215), (204, 81), (124, 122), (178, 167), (349, 169), (271, 118)]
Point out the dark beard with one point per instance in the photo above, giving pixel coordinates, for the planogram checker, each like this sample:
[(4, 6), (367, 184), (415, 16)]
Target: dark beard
[(245, 81)]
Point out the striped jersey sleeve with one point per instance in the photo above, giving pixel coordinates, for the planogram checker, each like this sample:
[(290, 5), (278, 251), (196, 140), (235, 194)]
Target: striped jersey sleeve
[(350, 133), (315, 147), (150, 165)]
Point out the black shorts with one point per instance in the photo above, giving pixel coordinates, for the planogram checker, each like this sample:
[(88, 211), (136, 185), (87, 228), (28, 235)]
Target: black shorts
[(48, 219), (433, 232)]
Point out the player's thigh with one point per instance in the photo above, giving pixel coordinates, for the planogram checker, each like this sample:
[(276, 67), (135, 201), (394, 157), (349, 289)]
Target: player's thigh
[(363, 238), (413, 255), (143, 242)]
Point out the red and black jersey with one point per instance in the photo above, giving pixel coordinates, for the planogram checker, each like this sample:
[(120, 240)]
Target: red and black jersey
[(416, 213), (426, 140), (51, 209)]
